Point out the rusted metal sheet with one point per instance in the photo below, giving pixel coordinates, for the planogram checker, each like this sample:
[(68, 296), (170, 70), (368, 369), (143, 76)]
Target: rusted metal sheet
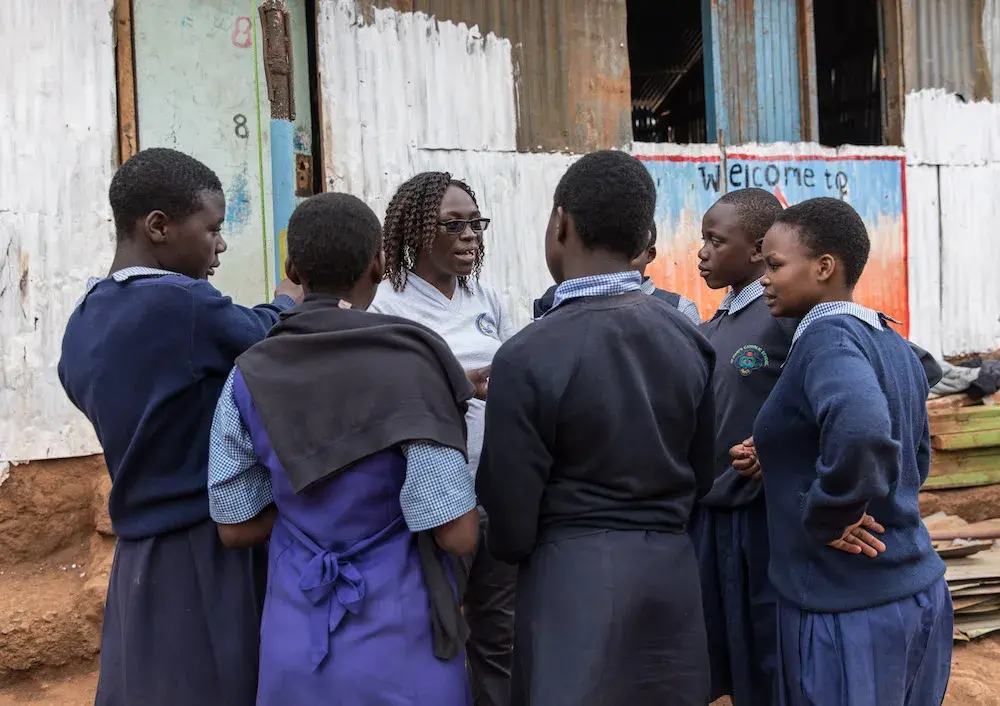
[(570, 61), (949, 50)]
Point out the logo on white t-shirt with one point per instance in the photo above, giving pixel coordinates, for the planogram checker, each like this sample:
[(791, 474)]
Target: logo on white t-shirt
[(487, 326)]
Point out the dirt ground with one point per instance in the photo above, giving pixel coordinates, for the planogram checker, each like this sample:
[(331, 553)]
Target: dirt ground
[(55, 552), (975, 681)]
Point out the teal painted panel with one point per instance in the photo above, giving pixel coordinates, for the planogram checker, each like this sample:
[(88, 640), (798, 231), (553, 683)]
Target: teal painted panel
[(196, 91), (778, 81)]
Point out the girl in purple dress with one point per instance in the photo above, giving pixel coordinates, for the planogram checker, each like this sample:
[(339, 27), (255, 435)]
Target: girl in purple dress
[(341, 438)]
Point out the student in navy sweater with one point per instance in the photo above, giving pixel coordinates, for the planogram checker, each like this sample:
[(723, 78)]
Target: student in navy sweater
[(144, 357), (599, 435), (864, 614), (729, 524)]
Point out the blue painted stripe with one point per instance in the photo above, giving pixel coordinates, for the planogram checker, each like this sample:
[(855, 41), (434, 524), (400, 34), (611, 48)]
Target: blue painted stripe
[(716, 117), (282, 182), (777, 50)]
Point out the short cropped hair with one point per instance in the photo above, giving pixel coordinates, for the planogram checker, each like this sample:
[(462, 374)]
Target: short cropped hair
[(158, 179), (611, 197), (757, 210), (831, 226), (332, 240)]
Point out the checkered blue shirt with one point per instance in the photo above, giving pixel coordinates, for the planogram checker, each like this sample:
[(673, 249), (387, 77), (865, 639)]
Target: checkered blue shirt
[(733, 303), (869, 316), (685, 305), (606, 285), (438, 486), (125, 274)]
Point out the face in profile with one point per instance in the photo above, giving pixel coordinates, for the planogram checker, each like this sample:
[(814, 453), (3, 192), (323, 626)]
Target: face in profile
[(792, 275)]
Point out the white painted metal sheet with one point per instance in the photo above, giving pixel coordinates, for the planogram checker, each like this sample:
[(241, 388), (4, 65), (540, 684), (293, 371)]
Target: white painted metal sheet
[(970, 257), (953, 149), (57, 147)]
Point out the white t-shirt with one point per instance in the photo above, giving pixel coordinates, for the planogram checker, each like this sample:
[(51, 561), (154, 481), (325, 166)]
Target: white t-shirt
[(473, 323)]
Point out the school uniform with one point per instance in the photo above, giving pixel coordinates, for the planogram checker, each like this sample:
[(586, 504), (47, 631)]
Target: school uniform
[(474, 322), (729, 524), (845, 432), (359, 483), (599, 436), (683, 304), (144, 357)]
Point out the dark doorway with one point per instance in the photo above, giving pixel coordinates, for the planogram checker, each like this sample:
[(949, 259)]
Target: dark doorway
[(668, 77), (848, 72)]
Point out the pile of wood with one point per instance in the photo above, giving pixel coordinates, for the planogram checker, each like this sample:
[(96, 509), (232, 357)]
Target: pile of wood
[(965, 442), (972, 556)]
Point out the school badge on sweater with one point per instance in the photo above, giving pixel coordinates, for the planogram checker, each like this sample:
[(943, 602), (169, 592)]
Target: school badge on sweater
[(749, 358)]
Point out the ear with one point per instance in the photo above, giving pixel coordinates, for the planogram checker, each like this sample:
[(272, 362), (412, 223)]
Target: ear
[(826, 266), (757, 255), (155, 224), (652, 252), (559, 224), (291, 273)]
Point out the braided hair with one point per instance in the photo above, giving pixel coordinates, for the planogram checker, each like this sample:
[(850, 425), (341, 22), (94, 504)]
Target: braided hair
[(411, 224)]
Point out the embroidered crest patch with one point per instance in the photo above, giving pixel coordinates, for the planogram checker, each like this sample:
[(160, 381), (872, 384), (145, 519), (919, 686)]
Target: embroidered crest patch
[(749, 358)]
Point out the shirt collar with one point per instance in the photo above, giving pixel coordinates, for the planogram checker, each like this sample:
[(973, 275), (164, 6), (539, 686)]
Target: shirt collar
[(869, 316), (647, 286), (125, 274), (733, 303), (605, 285)]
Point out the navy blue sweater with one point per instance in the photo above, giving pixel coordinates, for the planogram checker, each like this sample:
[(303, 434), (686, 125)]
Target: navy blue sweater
[(145, 360), (843, 432), (600, 416)]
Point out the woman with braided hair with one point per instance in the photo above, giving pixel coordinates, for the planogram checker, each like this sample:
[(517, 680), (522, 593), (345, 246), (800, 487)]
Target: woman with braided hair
[(433, 239)]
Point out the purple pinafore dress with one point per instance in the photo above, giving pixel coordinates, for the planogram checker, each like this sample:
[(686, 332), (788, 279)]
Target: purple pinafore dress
[(347, 618)]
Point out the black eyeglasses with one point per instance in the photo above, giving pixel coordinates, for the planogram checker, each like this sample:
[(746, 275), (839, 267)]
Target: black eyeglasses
[(457, 226)]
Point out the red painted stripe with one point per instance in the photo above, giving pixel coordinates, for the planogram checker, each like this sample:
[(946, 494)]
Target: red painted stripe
[(772, 158), (676, 158)]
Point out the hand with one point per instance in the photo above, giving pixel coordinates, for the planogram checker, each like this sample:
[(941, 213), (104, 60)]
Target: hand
[(481, 379), (857, 539), (289, 289), (745, 459)]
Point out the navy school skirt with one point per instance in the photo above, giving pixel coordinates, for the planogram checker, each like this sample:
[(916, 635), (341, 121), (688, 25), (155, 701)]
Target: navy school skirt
[(739, 600), (610, 618), (182, 622), (896, 654)]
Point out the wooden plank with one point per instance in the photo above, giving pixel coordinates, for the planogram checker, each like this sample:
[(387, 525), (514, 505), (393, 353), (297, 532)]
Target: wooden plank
[(959, 401), (962, 480), (966, 440), (128, 126), (981, 418), (891, 41), (946, 463)]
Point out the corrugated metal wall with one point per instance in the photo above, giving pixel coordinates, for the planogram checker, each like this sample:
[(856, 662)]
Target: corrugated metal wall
[(948, 46), (953, 168), (57, 148), (778, 76), (752, 62), (571, 64)]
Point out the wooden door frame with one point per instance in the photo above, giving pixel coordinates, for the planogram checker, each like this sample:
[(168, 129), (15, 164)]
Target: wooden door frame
[(128, 125)]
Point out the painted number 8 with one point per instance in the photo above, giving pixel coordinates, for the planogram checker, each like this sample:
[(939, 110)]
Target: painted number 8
[(241, 129), (241, 33)]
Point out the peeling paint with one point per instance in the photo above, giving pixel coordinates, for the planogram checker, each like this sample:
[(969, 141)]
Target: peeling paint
[(59, 136), (238, 202)]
